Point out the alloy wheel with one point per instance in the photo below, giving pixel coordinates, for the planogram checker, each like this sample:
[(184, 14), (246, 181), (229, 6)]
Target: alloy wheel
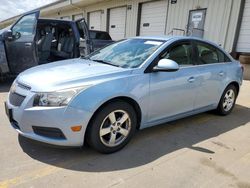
[(115, 128), (229, 100)]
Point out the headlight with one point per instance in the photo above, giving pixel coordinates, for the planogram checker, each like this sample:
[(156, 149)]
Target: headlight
[(57, 98)]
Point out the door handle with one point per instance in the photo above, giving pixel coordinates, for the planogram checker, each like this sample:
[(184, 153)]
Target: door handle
[(28, 44), (221, 73), (191, 79)]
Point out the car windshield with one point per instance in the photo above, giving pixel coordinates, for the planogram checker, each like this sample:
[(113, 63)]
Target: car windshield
[(130, 53)]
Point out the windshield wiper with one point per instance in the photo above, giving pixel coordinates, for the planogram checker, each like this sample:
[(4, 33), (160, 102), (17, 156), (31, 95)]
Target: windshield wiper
[(104, 62)]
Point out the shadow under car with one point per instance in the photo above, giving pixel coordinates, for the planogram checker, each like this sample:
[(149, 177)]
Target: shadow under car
[(148, 145)]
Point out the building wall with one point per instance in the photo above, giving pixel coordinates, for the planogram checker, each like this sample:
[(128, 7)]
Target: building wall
[(220, 23), (243, 45)]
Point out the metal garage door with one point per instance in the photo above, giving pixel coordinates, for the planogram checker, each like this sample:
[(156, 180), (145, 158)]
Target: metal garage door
[(244, 37), (95, 20), (77, 16), (65, 18), (117, 22), (153, 18)]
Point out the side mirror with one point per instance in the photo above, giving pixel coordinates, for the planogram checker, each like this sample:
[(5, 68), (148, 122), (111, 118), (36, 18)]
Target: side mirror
[(166, 65), (8, 35)]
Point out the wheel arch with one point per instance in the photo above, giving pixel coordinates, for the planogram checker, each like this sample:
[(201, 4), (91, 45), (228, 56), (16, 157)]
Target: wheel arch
[(236, 84), (126, 99)]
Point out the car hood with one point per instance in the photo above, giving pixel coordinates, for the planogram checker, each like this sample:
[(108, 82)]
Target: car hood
[(68, 73)]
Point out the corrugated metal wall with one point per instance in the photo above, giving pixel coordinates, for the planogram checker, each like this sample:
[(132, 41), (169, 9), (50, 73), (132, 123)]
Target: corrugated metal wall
[(244, 36), (220, 23)]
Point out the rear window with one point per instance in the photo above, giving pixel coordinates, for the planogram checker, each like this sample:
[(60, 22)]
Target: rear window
[(99, 35)]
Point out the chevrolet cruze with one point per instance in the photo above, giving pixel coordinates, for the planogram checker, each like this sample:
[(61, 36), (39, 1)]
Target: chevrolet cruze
[(132, 84)]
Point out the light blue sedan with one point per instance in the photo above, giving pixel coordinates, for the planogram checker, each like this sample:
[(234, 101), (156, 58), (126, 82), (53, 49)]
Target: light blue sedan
[(132, 84)]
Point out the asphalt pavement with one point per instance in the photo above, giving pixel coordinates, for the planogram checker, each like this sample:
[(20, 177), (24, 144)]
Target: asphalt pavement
[(204, 150)]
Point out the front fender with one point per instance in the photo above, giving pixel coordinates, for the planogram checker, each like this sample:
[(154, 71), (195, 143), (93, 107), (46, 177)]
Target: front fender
[(135, 87)]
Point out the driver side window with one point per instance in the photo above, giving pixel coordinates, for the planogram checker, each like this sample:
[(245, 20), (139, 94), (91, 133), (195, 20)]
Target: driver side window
[(180, 53), (25, 26)]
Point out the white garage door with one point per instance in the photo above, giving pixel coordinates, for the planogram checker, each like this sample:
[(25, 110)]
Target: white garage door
[(77, 16), (65, 18), (244, 37), (153, 18), (95, 20), (117, 22)]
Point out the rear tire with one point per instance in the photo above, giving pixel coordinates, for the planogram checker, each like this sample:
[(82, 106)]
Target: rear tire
[(112, 127), (227, 101)]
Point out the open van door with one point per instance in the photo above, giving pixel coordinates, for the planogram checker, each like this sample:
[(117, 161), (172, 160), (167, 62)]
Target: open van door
[(20, 43), (85, 44)]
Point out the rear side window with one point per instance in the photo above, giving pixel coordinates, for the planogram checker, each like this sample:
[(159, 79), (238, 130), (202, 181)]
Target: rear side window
[(180, 53), (223, 57), (80, 28), (208, 54), (99, 35)]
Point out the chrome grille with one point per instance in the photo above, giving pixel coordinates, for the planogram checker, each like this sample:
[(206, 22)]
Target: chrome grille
[(16, 99)]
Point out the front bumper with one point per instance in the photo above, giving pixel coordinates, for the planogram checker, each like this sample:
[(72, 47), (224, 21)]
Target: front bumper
[(25, 117)]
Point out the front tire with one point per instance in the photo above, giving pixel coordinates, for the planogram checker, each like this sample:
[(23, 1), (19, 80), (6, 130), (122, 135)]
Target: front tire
[(227, 101), (112, 127)]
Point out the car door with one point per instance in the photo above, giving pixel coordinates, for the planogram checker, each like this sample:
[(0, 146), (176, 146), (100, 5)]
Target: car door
[(100, 39), (172, 94), (212, 67), (21, 49), (85, 46)]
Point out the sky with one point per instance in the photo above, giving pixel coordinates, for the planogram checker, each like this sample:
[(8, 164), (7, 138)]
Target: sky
[(10, 8)]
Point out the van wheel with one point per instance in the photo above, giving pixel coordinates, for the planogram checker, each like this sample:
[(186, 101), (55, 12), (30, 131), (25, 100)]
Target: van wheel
[(227, 101), (112, 127)]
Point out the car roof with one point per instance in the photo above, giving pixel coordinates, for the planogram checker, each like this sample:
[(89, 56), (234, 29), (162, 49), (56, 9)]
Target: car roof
[(162, 37), (169, 37), (175, 38), (57, 20)]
